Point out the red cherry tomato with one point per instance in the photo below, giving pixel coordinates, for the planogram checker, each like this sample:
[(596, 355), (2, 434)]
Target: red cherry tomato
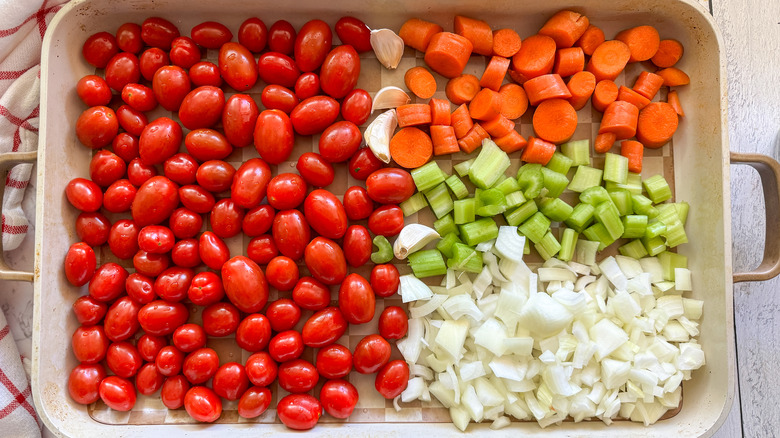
[(254, 402), (117, 393), (340, 71), (155, 201), (93, 90), (258, 220), (148, 346), (387, 220), (152, 60), (180, 168), (97, 126), (325, 261), (239, 117), (108, 282), (131, 120), (310, 294), (278, 97), (205, 73), (250, 182), (307, 85), (93, 228), (211, 35), (282, 273), (159, 140), (231, 381), (148, 379), (237, 66), (196, 198), (123, 239), (205, 289), (357, 204), (202, 107), (80, 263), (106, 167), (354, 32), (188, 338), (253, 333), (340, 141), (274, 138), (261, 369), (392, 379), (185, 253), (312, 44), (371, 354), (291, 233), (159, 32), (297, 376), (139, 97), (315, 170), (390, 186), (119, 196), (161, 318), (253, 34), (185, 223), (173, 283), (84, 383), (283, 314), (138, 173), (88, 310), (385, 280), (357, 245), (170, 84), (122, 319), (128, 38), (262, 249), (150, 265), (338, 398), (225, 218), (334, 361), (286, 191), (156, 239), (126, 146), (245, 284), (314, 114), (356, 299), (287, 345), (124, 68), (393, 323), (299, 411), (356, 106), (140, 288), (173, 391), (221, 319), (364, 163), (281, 37), (215, 175), (200, 365), (203, 404), (325, 214), (324, 328), (90, 344), (212, 250), (99, 48), (207, 144)]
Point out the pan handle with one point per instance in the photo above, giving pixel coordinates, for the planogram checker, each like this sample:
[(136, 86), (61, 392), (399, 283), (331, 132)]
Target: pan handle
[(7, 161), (769, 171)]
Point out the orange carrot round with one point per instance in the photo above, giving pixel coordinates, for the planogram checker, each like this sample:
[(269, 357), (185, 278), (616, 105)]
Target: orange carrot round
[(417, 33), (555, 120), (473, 139), (669, 52), (516, 76), (642, 42), (494, 73), (498, 126), (605, 93), (569, 61), (648, 84), (565, 27), (592, 38), (620, 118), (674, 77), (444, 140), (604, 142), (538, 151), (656, 125), (411, 148), (634, 151), (462, 89), (545, 87), (461, 121), (674, 100), (477, 31), (514, 101), (440, 111), (485, 105), (413, 114), (581, 86), (511, 142), (448, 53), (420, 82), (506, 42), (628, 95), (609, 59), (536, 57)]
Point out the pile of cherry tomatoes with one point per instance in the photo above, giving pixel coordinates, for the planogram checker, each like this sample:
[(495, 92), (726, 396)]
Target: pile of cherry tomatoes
[(149, 200)]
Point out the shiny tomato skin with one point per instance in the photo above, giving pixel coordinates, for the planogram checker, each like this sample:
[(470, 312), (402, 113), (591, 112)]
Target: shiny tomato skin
[(106, 167), (311, 294), (253, 34), (392, 379), (387, 220), (312, 44), (291, 233), (364, 163), (205, 289), (170, 84), (93, 90), (278, 97), (334, 361), (231, 381), (211, 35), (274, 137), (148, 379), (340, 141), (90, 344), (185, 223), (139, 97), (258, 220), (286, 191), (325, 213), (357, 204), (254, 402), (282, 273), (281, 37), (138, 172), (262, 249), (155, 201), (197, 199), (385, 280), (173, 391), (180, 168), (237, 66), (156, 239), (99, 48), (119, 196), (93, 228), (148, 346), (356, 106), (215, 175), (121, 320), (161, 318), (324, 328), (173, 283), (159, 140), (356, 299), (128, 38), (97, 126), (245, 284), (315, 170), (108, 282), (253, 333), (84, 383), (393, 323), (297, 376), (285, 346), (170, 360), (205, 73), (239, 117), (88, 310), (80, 263), (325, 261), (140, 288), (159, 32), (213, 250), (283, 314), (340, 71), (299, 411), (221, 319), (261, 369), (307, 85), (126, 146), (131, 120), (123, 239), (188, 338), (371, 354), (184, 52), (226, 218), (124, 68), (117, 393), (314, 114), (202, 107), (390, 186), (357, 245), (200, 365), (203, 404), (250, 183), (149, 264), (185, 253), (152, 60), (338, 398), (354, 32)]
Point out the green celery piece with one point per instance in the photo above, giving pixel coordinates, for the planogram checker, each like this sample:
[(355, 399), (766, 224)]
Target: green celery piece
[(463, 167), (657, 189), (548, 246), (490, 210), (490, 165), (554, 182), (669, 261), (615, 168), (440, 200), (521, 213), (531, 180), (445, 244), (508, 185), (556, 209), (682, 211), (465, 258), (428, 176), (492, 197), (514, 199), (634, 249), (633, 184), (607, 214), (584, 178), (598, 233), (595, 195), (457, 187), (654, 245), (568, 243), (578, 151), (654, 229), (675, 234), (580, 217), (560, 163), (527, 167), (622, 200), (643, 205), (427, 263), (384, 252), (478, 231), (634, 226), (464, 211), (535, 227), (445, 225), (667, 213), (413, 204)]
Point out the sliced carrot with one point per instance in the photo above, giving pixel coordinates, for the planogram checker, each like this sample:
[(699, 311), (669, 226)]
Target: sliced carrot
[(642, 42), (444, 140), (411, 148), (413, 114), (511, 142), (417, 33), (605, 93), (485, 105), (514, 101), (674, 77), (538, 151), (494, 73), (674, 100), (565, 27), (656, 125), (477, 31), (569, 61), (516, 76), (609, 59), (473, 139), (634, 151), (536, 57), (581, 86), (592, 38), (420, 82), (555, 120), (460, 119), (648, 84), (462, 89), (545, 87), (620, 118), (669, 52), (440, 111), (506, 42), (498, 126), (628, 95), (448, 53), (604, 142)]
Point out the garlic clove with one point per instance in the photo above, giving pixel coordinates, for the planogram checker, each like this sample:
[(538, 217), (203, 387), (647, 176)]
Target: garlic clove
[(378, 133), (389, 97), (412, 238), (388, 47)]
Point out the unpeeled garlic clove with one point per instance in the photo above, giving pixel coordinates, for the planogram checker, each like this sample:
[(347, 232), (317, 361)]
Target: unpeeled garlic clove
[(412, 238), (388, 47), (378, 133), (389, 97)]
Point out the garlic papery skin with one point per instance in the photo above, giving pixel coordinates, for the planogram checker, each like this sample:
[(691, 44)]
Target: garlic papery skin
[(389, 97), (378, 133), (412, 238), (388, 47)]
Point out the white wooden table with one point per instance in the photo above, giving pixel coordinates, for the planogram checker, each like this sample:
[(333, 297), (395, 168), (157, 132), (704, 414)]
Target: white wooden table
[(751, 31)]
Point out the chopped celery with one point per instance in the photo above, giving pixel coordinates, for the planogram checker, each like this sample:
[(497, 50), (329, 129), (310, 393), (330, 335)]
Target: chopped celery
[(428, 176), (578, 151), (492, 197), (633, 249), (598, 233), (478, 231), (548, 246), (490, 210), (478, 197), (531, 180), (633, 184), (654, 245), (508, 185), (514, 199), (556, 209), (427, 263), (670, 261), (594, 195), (657, 189), (585, 252), (675, 234), (463, 211), (445, 225), (465, 258), (535, 227), (413, 204), (682, 211), (457, 187), (615, 168), (490, 165), (560, 163), (568, 243), (384, 251), (607, 214), (527, 167), (622, 200), (580, 217), (643, 205), (554, 182), (445, 244), (667, 213), (654, 229), (521, 213), (463, 167), (440, 200), (634, 226), (585, 177)]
